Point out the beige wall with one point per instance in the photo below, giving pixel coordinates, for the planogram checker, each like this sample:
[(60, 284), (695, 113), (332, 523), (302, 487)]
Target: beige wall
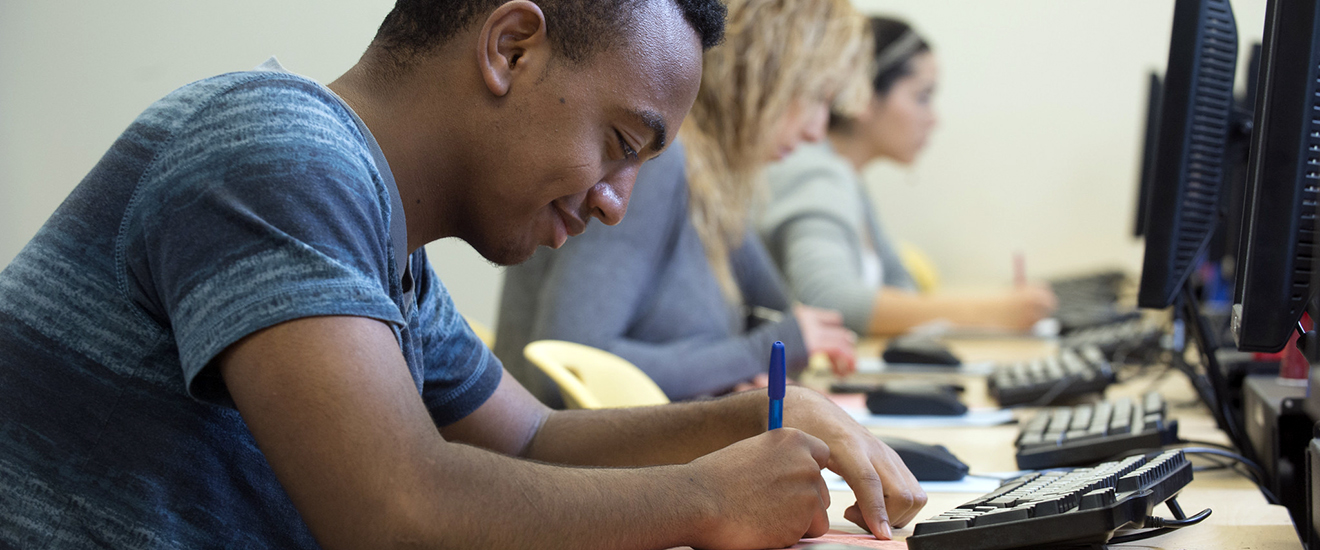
[(1042, 106), (1041, 103)]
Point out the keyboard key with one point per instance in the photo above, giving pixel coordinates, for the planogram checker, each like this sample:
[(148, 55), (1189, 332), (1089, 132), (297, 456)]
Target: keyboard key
[(1003, 516), (938, 525), (1154, 402), (1081, 419), (1048, 507), (1098, 498), (1031, 439)]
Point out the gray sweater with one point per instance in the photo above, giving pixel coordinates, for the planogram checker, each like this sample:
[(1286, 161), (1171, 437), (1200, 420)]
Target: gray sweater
[(817, 224), (645, 291)]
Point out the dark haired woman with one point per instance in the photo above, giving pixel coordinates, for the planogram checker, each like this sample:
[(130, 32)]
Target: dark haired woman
[(823, 233)]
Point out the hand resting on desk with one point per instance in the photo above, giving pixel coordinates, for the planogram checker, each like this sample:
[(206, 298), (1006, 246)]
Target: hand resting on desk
[(887, 493)]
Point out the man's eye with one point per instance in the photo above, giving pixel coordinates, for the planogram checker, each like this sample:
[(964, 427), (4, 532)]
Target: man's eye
[(628, 151)]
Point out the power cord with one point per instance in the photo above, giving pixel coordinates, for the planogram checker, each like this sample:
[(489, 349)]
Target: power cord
[(1199, 443), (1254, 472), (1161, 526)]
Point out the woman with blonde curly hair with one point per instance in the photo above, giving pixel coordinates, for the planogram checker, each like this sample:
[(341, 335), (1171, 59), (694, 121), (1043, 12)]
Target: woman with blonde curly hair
[(682, 287)]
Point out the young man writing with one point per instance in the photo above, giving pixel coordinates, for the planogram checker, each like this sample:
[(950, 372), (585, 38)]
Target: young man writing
[(229, 335)]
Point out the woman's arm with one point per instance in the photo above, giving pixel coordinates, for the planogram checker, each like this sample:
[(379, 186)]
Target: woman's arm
[(820, 258), (898, 311)]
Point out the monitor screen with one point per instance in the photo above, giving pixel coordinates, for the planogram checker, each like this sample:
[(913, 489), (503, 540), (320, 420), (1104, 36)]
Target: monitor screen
[(1277, 263), (1195, 118)]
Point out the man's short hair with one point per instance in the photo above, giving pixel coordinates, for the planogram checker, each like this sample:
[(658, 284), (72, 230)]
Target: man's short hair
[(576, 28)]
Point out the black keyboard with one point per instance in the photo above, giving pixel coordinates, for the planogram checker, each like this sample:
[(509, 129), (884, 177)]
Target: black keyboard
[(1101, 286), (1042, 381), (1080, 506), (1129, 337), (1086, 434), (1090, 300)]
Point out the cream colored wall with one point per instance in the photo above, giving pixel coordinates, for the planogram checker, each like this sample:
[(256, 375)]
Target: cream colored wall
[(1042, 108), (1041, 102), (72, 78)]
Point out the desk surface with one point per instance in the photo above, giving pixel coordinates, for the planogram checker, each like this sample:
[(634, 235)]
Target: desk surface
[(1242, 519)]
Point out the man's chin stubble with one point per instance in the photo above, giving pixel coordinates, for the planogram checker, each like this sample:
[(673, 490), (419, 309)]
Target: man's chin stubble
[(507, 254)]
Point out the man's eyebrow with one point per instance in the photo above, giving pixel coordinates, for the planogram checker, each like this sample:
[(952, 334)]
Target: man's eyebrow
[(657, 126)]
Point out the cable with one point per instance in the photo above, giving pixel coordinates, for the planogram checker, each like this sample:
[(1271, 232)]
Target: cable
[(1142, 535), (1215, 463), (1161, 526), (1255, 468), (1256, 473), (1153, 521), (1206, 444)]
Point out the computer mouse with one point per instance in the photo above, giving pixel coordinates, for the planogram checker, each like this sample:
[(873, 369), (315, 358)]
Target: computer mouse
[(915, 350), (927, 462), (915, 398)]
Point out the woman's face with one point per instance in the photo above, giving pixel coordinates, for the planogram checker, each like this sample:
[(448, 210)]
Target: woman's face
[(897, 124), (806, 120)]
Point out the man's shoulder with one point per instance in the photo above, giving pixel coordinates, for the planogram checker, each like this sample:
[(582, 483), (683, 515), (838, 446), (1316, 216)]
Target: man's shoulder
[(255, 103), (257, 84), (260, 125)]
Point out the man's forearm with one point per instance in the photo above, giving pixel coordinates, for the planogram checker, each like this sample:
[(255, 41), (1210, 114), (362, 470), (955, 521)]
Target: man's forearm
[(669, 434), (523, 504)]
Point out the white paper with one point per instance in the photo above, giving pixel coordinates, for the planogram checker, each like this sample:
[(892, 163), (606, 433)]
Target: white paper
[(979, 484), (973, 418)]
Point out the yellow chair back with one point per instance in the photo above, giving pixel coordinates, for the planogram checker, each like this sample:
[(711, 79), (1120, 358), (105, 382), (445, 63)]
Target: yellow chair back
[(919, 265), (590, 378)]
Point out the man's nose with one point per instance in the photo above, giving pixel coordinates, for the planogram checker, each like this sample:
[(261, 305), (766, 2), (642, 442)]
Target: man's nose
[(608, 200)]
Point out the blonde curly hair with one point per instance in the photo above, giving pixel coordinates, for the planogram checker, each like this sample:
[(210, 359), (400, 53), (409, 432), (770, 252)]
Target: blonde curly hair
[(775, 52)]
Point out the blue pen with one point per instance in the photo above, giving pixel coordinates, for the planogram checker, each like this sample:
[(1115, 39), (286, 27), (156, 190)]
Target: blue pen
[(778, 373)]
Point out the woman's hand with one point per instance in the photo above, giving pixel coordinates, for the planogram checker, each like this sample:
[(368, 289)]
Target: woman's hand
[(823, 332), (1023, 306)]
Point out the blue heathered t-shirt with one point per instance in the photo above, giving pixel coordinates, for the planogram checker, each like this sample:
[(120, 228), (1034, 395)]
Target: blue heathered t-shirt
[(231, 205)]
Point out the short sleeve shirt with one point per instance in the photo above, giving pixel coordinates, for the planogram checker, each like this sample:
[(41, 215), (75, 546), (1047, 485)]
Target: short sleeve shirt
[(231, 205)]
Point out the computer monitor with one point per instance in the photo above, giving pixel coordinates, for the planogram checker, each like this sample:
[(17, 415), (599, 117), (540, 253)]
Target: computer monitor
[(1278, 262), (1232, 195), (1195, 116), (1155, 88)]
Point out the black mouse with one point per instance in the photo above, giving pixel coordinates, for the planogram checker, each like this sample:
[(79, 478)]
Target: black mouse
[(914, 350), (927, 462), (915, 398)]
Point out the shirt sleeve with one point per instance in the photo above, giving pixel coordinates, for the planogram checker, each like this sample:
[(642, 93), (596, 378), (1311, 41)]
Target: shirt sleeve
[(811, 228), (820, 266), (460, 372), (265, 207), (599, 281)]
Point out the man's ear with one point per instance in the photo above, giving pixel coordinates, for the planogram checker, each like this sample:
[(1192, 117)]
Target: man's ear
[(512, 41)]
